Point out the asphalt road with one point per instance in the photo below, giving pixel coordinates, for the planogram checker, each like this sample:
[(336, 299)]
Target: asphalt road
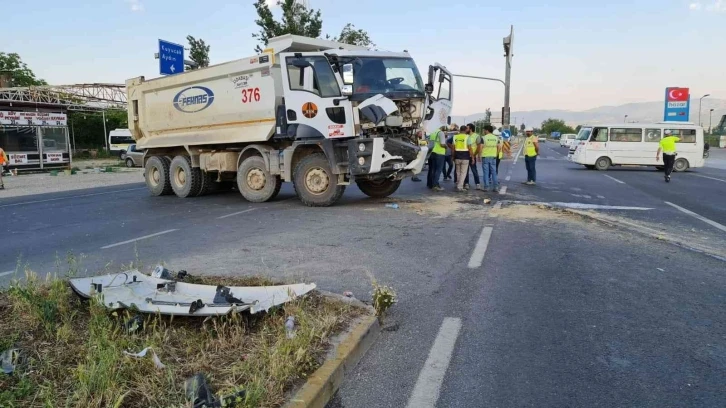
[(513, 307)]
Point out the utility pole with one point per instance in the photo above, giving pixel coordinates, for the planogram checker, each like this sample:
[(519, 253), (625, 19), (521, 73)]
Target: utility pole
[(508, 43), (700, 102), (105, 133)]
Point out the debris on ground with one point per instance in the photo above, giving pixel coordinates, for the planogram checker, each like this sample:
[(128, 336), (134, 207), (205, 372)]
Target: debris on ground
[(9, 359), (348, 293), (660, 269), (390, 327), (134, 324), (198, 393), (393, 205), (150, 294), (142, 354), (487, 201), (290, 327)]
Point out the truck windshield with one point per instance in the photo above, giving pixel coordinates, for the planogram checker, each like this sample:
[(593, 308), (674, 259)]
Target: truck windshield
[(386, 76), (584, 133)]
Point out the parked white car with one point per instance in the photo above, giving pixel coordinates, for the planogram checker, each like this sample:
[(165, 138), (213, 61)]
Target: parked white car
[(567, 139)]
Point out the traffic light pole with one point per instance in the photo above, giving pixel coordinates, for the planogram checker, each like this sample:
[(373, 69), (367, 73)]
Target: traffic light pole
[(508, 43)]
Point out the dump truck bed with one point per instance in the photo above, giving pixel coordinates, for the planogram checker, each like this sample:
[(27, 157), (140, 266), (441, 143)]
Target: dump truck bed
[(227, 103)]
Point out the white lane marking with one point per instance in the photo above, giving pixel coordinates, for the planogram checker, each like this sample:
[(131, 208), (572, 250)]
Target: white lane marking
[(138, 239), (426, 392), (237, 213), (6, 273), (498, 205), (614, 179), (70, 197), (700, 217), (600, 197), (710, 178), (481, 248), (517, 155), (507, 178), (583, 206), (503, 190)]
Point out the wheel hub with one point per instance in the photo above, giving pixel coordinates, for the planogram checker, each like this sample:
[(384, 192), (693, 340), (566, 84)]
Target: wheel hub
[(155, 176), (181, 176), (317, 181), (256, 179)]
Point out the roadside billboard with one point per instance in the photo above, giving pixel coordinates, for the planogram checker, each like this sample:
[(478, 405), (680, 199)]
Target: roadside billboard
[(677, 104)]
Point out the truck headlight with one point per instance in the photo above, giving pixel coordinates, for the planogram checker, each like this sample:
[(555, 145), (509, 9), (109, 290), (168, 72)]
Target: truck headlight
[(361, 147), (361, 160)]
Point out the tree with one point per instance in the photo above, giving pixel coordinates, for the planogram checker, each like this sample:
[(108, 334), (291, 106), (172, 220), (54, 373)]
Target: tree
[(296, 20), (199, 52), (18, 73), (555, 125), (351, 35)]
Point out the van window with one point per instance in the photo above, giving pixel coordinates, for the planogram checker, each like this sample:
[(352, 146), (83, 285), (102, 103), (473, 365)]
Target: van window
[(600, 135), (626, 135), (686, 135), (121, 139), (652, 135), (584, 134)]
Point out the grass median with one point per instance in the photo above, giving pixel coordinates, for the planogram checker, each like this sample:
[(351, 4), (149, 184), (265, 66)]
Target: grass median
[(72, 350)]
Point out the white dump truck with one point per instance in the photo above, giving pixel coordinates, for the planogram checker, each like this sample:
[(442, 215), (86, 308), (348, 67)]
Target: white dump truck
[(317, 113)]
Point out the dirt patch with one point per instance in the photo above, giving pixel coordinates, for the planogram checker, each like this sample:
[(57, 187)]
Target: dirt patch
[(72, 350), (41, 183), (448, 206), (519, 212)]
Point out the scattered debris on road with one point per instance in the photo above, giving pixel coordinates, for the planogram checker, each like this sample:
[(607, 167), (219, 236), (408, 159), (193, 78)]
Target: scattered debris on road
[(487, 201), (141, 354), (9, 359), (392, 205)]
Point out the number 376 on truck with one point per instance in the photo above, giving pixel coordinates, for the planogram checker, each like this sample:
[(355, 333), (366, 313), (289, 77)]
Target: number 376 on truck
[(316, 113)]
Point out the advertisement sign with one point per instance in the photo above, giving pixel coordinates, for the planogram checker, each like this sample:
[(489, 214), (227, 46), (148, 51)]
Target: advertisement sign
[(33, 118), (53, 157), (18, 158), (677, 104)]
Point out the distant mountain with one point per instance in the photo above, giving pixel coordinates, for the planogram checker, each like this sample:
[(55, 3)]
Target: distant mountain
[(637, 112)]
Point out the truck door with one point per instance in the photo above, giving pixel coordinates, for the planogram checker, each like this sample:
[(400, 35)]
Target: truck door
[(313, 101), (441, 99)]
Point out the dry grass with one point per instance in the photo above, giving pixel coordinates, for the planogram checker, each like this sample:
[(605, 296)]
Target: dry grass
[(73, 349)]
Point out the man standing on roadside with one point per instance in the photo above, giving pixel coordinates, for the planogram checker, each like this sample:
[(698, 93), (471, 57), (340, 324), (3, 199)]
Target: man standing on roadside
[(448, 162), (436, 160), (463, 149), (668, 147), (489, 152), (474, 140), (531, 150), (3, 163)]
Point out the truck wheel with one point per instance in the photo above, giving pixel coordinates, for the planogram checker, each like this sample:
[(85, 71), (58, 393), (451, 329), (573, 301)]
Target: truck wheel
[(205, 183), (255, 182), (157, 176), (680, 165), (185, 180), (602, 163), (378, 188), (315, 183)]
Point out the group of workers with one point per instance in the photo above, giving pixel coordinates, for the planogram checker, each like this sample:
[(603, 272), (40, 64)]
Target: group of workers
[(463, 151)]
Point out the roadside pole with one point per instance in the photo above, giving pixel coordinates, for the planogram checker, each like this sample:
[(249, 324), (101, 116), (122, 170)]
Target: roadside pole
[(105, 133), (508, 43)]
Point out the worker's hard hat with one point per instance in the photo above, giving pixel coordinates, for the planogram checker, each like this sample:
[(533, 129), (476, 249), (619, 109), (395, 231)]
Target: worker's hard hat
[(667, 132), (496, 132), (529, 129)]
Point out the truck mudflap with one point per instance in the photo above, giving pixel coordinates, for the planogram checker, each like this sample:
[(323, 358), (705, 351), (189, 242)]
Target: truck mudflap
[(384, 156)]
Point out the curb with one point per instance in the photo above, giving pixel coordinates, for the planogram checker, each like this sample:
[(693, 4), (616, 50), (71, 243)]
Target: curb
[(320, 387), (661, 236)]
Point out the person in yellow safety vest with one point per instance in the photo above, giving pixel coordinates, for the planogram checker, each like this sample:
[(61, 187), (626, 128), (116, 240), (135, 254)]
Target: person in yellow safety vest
[(500, 156), (489, 153), (462, 148), (531, 150), (474, 139), (436, 160), (3, 163), (668, 147)]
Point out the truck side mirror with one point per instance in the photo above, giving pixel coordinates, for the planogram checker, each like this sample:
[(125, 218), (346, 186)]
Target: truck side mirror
[(429, 88), (431, 77), (348, 78), (448, 120), (300, 63), (442, 76)]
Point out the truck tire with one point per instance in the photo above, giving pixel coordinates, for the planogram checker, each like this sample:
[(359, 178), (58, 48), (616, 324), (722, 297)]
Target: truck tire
[(680, 165), (157, 176), (315, 182), (185, 180), (378, 188), (205, 183), (602, 163), (255, 182)]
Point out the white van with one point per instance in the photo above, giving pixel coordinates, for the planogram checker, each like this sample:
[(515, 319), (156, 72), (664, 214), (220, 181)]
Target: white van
[(567, 139), (602, 146), (119, 140)]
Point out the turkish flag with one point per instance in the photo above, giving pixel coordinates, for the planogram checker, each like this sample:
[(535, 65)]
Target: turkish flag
[(677, 94)]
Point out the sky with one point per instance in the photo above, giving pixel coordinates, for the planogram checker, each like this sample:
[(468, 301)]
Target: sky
[(568, 54)]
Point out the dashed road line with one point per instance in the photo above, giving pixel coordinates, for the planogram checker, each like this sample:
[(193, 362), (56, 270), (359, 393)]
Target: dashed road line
[(517, 155), (481, 248), (138, 239), (428, 386), (700, 217), (71, 197), (6, 273), (507, 178), (710, 178), (614, 179), (236, 213), (503, 190), (584, 206)]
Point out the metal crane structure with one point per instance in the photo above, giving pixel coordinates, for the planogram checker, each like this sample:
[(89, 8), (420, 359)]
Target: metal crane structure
[(82, 97)]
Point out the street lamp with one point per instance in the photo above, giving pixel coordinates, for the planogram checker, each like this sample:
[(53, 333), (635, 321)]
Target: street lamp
[(710, 120), (700, 101), (625, 120)]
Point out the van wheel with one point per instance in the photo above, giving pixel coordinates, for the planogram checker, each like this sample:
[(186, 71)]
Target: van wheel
[(185, 180), (680, 165), (378, 188), (157, 176), (590, 166), (255, 182), (602, 163), (315, 183)]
